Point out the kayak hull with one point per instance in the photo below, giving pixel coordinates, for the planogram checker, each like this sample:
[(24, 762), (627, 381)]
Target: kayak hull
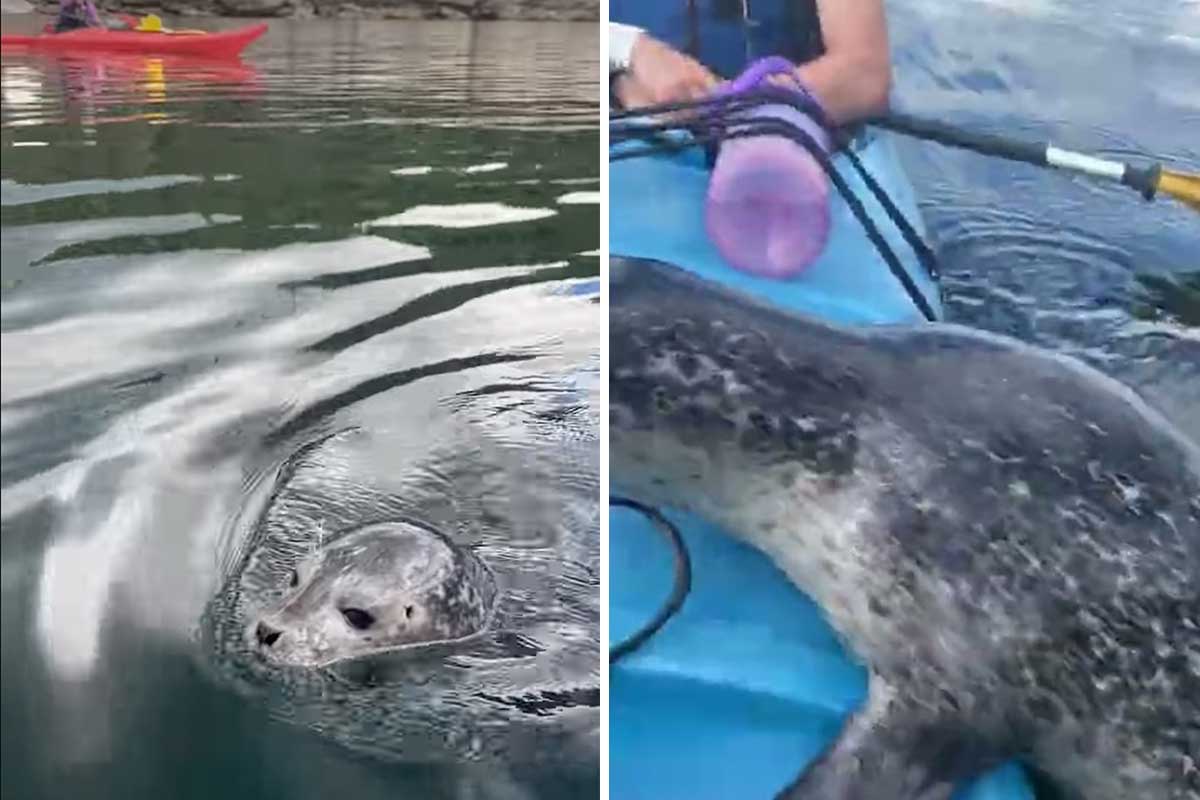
[(747, 682), (221, 44)]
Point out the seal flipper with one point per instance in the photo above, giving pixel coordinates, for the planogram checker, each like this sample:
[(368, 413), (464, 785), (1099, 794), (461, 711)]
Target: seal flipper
[(895, 750)]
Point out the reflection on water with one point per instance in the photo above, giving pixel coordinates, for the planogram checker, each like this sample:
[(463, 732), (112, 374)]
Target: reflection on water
[(382, 232), (93, 88)]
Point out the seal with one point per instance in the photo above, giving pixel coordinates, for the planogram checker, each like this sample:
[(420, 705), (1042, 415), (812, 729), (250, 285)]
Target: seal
[(381, 587), (1008, 539)]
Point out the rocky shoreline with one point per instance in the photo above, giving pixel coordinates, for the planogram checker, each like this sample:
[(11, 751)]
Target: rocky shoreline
[(560, 10)]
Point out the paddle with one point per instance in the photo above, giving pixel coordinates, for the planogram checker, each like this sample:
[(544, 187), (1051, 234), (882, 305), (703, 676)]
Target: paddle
[(1150, 180)]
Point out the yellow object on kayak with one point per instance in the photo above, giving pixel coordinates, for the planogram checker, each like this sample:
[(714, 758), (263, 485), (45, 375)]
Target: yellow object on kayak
[(151, 23)]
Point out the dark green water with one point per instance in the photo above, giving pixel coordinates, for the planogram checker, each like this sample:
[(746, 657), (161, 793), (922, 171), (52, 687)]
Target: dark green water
[(387, 227)]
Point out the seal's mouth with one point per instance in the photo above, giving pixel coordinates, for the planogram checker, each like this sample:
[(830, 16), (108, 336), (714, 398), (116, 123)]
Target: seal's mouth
[(284, 653), (278, 644)]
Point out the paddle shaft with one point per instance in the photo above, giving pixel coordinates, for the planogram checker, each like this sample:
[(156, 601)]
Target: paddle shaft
[(1143, 180)]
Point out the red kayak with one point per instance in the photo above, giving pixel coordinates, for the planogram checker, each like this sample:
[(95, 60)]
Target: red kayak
[(225, 43)]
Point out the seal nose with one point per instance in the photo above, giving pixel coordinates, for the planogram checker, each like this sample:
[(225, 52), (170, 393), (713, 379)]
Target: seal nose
[(266, 635)]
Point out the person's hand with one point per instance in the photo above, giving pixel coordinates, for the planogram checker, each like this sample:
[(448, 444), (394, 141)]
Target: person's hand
[(786, 80), (660, 74)]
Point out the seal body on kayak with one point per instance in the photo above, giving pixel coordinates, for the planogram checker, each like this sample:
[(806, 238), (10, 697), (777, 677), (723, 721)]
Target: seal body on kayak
[(381, 587), (1008, 539)]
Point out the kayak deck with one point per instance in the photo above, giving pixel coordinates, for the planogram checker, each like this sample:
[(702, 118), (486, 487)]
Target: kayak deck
[(747, 682), (223, 43)]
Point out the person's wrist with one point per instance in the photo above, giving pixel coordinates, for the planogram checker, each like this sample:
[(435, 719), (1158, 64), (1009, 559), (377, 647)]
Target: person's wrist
[(623, 40), (637, 50)]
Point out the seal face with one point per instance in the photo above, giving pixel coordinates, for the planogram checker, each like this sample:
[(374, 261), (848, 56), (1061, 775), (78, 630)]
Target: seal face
[(381, 587), (1008, 539)]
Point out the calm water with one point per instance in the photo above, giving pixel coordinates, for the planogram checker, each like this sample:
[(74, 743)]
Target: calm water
[(1069, 263), (249, 305)]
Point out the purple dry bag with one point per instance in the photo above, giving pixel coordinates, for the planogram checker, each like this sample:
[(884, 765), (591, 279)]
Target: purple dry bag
[(767, 208)]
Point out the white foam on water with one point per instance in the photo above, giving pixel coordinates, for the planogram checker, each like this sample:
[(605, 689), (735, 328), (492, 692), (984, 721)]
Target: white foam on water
[(579, 198), (14, 193), (489, 167), (1185, 41), (461, 215)]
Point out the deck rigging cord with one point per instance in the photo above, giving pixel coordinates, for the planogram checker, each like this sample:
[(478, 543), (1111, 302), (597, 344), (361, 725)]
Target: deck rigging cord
[(679, 591)]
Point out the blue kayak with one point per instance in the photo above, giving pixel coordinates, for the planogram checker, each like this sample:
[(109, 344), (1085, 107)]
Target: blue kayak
[(747, 682)]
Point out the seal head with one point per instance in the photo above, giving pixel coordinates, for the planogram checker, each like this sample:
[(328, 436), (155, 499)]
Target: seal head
[(381, 587)]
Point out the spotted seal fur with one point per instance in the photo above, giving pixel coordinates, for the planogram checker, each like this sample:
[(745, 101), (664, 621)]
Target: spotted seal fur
[(1008, 539), (381, 587)]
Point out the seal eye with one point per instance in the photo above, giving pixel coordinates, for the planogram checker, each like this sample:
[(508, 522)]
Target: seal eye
[(293, 579), (408, 612), (358, 619)]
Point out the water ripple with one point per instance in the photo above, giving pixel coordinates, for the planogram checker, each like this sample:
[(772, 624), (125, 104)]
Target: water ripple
[(191, 299)]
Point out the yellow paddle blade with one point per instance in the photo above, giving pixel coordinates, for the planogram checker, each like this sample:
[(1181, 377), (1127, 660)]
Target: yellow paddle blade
[(151, 23), (1181, 186)]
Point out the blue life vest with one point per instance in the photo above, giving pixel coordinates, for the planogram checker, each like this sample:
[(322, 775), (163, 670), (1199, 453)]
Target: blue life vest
[(725, 35)]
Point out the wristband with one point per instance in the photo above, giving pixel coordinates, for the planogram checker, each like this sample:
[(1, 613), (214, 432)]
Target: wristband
[(620, 45)]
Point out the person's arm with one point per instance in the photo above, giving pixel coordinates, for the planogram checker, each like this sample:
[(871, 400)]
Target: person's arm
[(854, 77), (90, 12), (653, 71)]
